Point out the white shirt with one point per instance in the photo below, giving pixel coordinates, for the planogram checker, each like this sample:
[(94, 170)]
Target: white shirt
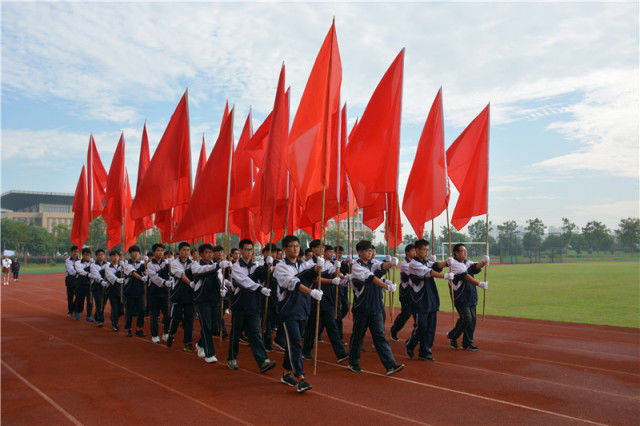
[(6, 262)]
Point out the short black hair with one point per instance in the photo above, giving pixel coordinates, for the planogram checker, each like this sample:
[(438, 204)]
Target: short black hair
[(457, 247), (421, 243), (134, 248), (168, 251), (235, 249), (268, 247), (86, 250), (156, 246), (288, 240), (364, 245), (218, 248), (73, 248), (243, 243), (307, 251), (408, 248), (183, 244), (205, 246), (328, 247), (113, 252), (315, 243), (278, 249), (99, 251), (339, 248)]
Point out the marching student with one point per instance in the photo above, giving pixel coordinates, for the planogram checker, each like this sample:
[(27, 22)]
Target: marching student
[(328, 283), (208, 290), (366, 279), (182, 308), (96, 273), (159, 271), (83, 266), (465, 295), (218, 256), (6, 268), (113, 279), (15, 268), (406, 309), (264, 275), (425, 299), (133, 291), (294, 279), (70, 279), (245, 302)]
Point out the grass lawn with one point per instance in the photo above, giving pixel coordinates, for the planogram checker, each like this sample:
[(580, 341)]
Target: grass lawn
[(605, 293), (39, 268)]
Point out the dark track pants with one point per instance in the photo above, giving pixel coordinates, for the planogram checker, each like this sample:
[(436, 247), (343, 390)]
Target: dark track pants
[(71, 299), (182, 313), (424, 333), (208, 315), (465, 325), (293, 330), (249, 322), (404, 315), (97, 292), (134, 307), (116, 307), (374, 322), (328, 321), (82, 292), (159, 304)]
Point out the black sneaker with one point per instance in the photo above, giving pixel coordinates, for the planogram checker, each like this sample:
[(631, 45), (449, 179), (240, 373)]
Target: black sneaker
[(308, 357), (427, 357), (170, 340), (278, 346), (187, 348), (343, 359), (288, 379), (116, 329), (304, 386), (232, 364), (453, 343), (394, 336), (242, 339), (100, 324), (129, 333), (354, 368), (410, 351), (394, 370), (320, 340), (470, 348), (267, 365), (140, 333), (268, 349)]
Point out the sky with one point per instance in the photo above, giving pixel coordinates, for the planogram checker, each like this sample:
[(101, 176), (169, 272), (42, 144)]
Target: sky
[(561, 78)]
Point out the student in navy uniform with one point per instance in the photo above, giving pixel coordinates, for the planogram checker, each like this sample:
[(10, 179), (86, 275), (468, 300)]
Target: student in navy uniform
[(264, 275), (245, 301), (114, 278), (96, 273), (329, 281), (465, 295), (182, 308), (366, 279), (70, 279), (133, 290), (425, 299), (294, 278), (159, 271), (218, 256), (406, 308), (83, 283), (208, 291)]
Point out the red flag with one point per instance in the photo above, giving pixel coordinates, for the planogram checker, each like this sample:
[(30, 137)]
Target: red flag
[(80, 208), (372, 154), (114, 203), (202, 160), (114, 233), (468, 168), (273, 177), (241, 184), (144, 223), (427, 192), (167, 182), (258, 142), (313, 127), (393, 231), (96, 178), (205, 213), (164, 223)]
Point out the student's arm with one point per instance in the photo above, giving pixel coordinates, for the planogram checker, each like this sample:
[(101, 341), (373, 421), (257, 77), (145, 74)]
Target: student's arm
[(178, 272), (360, 273), (94, 273), (80, 269), (111, 278), (70, 267), (242, 279), (154, 275)]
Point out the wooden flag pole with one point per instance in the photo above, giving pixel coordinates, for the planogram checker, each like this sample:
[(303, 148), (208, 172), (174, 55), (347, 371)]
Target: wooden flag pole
[(486, 251), (453, 310), (227, 241), (322, 233)]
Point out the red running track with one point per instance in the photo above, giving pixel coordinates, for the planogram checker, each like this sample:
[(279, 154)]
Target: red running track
[(56, 370)]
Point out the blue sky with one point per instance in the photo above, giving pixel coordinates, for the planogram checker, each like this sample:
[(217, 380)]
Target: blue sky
[(562, 80)]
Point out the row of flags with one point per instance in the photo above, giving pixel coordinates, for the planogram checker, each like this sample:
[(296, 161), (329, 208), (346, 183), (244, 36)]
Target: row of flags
[(284, 177)]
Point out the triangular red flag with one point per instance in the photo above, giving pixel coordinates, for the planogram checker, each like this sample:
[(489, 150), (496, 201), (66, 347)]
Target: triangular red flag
[(202, 160), (427, 192), (468, 168), (241, 184), (96, 179), (114, 203), (167, 182), (393, 231), (80, 208), (258, 142), (143, 223), (114, 233)]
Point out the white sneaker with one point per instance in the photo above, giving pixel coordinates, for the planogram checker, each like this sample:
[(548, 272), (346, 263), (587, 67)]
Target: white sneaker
[(165, 337), (211, 359), (200, 351), (155, 339)]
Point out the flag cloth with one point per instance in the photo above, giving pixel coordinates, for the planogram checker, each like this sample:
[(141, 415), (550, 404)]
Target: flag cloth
[(427, 192), (372, 153), (167, 181), (114, 203), (468, 168), (202, 160), (312, 130), (241, 184), (143, 223), (81, 213), (164, 223), (96, 179), (393, 231), (114, 233), (205, 212), (258, 142)]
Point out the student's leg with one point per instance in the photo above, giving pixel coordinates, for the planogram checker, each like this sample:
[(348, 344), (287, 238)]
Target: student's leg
[(89, 302), (80, 295), (176, 313), (328, 320), (128, 312), (252, 328), (376, 327), (360, 324), (154, 304), (234, 336), (294, 331), (165, 314), (432, 320), (97, 298), (460, 324), (403, 316), (187, 322), (418, 333), (309, 333), (114, 301), (207, 322), (470, 326), (70, 299), (286, 362)]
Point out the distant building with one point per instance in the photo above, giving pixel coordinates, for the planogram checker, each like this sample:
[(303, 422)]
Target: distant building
[(46, 209), (354, 221)]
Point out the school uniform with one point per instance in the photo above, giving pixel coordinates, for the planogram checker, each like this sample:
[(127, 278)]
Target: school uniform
[(293, 308), (426, 303), (404, 294), (133, 292), (96, 273), (181, 295), (83, 284), (465, 296), (327, 315), (208, 285), (159, 280), (245, 301), (113, 280), (70, 281), (368, 313), (343, 300)]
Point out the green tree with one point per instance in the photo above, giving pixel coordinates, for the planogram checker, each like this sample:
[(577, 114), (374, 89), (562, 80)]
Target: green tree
[(507, 239), (568, 232), (555, 245), (628, 233), (532, 238), (597, 236)]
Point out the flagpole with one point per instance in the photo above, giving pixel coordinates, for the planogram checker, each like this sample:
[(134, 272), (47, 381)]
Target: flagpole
[(486, 230), (227, 241), (453, 310)]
